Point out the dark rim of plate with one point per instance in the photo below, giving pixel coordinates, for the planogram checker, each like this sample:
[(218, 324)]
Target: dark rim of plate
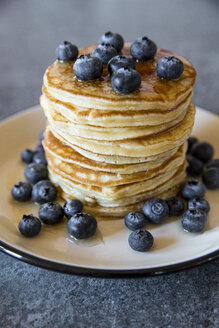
[(71, 269)]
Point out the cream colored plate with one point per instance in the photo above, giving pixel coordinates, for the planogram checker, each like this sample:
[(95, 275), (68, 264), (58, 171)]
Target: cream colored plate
[(109, 252)]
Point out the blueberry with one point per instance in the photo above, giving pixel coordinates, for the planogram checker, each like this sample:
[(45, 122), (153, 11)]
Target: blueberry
[(22, 191), (176, 206), (66, 51), (213, 163), (72, 207), (192, 189), (143, 49), (210, 178), (125, 80), (156, 210), (39, 148), (35, 172), (203, 151), (40, 157), (191, 141), (195, 167), (194, 220), (115, 39), (42, 136), (82, 225), (135, 220), (120, 61), (88, 68), (170, 67), (43, 192), (104, 52), (199, 204), (51, 213), (27, 156), (141, 240), (29, 226)]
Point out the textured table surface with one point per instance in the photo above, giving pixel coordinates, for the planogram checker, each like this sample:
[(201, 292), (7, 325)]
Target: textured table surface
[(29, 33)]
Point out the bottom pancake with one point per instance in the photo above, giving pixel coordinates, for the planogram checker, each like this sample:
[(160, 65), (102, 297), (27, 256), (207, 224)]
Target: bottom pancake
[(119, 206), (112, 196), (118, 212)]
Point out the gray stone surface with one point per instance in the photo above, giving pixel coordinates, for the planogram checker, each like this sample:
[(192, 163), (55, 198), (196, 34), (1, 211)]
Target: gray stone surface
[(29, 33)]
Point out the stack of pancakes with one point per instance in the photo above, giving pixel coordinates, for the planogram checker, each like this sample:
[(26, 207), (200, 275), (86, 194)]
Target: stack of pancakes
[(114, 151)]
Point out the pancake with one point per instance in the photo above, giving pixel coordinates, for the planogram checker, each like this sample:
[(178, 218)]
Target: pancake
[(116, 192), (114, 159), (108, 179), (120, 211), (100, 133), (112, 118), (63, 152), (154, 93), (146, 146), (95, 200), (114, 151)]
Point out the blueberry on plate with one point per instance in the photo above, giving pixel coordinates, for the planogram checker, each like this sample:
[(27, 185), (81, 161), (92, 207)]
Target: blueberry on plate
[(29, 226), (43, 192), (35, 172), (27, 156), (87, 68), (176, 206), (115, 39), (120, 61), (199, 204), (51, 213), (156, 210), (192, 189), (22, 191), (143, 49), (213, 163), (191, 141), (194, 220), (135, 220), (195, 167), (104, 52), (72, 207), (66, 51), (125, 80), (203, 151), (82, 225), (210, 178), (42, 136), (140, 240), (40, 158), (39, 148), (170, 68)]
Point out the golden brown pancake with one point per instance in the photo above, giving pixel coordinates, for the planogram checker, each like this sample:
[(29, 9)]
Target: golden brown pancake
[(94, 198), (107, 133), (154, 92), (112, 118), (108, 179), (137, 147), (67, 154), (116, 192), (114, 151), (121, 211)]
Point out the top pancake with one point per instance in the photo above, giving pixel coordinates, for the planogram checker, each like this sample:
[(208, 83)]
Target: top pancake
[(154, 92)]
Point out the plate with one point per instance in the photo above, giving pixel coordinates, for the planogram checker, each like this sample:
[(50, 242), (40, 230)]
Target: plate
[(108, 252)]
